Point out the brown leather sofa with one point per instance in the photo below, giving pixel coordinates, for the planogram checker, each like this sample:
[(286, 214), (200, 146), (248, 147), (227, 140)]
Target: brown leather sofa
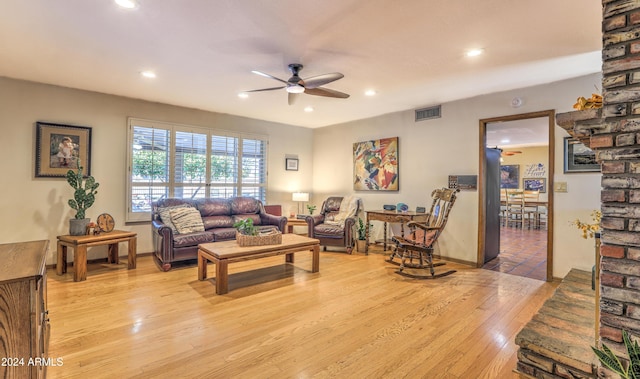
[(218, 217)]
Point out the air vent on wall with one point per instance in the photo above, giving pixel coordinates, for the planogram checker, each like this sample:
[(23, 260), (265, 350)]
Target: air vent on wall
[(428, 113)]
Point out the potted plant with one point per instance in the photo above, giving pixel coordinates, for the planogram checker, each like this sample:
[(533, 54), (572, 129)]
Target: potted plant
[(611, 361), (311, 208), (246, 227), (361, 233), (247, 234), (84, 195)]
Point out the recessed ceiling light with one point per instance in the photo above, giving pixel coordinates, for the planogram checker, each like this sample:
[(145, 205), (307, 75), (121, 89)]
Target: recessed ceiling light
[(129, 4), (474, 52), (243, 95), (505, 140), (148, 74), (370, 92), (308, 109)]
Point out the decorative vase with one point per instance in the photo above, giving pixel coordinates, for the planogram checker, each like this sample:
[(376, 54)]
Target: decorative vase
[(78, 227)]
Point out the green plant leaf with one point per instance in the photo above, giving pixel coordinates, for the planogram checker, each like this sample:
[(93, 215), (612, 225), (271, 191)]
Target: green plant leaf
[(609, 360), (634, 355)]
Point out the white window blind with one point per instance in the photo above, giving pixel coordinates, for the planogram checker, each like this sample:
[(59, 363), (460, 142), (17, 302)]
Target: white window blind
[(167, 160)]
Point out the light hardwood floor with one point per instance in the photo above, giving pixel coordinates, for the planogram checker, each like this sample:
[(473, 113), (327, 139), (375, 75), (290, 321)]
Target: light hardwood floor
[(356, 318)]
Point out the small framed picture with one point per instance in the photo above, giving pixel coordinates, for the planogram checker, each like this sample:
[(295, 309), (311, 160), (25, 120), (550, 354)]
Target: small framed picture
[(578, 157), (535, 184), (60, 147), (291, 164)]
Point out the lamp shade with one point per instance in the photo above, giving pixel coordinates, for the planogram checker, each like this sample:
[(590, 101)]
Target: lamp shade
[(300, 196)]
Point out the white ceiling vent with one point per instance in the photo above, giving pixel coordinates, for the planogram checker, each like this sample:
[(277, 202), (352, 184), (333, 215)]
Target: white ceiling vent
[(428, 113)]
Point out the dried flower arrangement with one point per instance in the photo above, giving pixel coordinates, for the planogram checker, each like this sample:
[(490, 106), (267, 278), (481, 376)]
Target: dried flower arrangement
[(589, 230)]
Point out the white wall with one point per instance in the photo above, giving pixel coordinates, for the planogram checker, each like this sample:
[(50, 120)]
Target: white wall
[(36, 208), (431, 150)]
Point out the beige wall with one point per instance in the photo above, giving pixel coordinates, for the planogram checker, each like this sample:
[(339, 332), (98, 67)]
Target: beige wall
[(36, 208), (431, 150), (530, 155)]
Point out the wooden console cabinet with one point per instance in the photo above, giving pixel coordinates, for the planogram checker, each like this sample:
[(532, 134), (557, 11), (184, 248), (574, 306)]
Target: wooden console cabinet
[(24, 323)]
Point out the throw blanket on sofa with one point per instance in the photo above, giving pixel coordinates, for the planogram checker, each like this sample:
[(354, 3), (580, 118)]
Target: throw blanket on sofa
[(348, 208)]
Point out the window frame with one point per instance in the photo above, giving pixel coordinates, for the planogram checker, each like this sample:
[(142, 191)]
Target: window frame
[(173, 128)]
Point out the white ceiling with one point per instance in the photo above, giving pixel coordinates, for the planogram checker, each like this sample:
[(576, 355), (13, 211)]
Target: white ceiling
[(518, 133), (411, 51)]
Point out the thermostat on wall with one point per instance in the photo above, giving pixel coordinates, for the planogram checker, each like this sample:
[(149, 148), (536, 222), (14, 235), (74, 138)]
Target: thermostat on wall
[(463, 182)]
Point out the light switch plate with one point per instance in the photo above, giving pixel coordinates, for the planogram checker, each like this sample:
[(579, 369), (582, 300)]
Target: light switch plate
[(560, 186)]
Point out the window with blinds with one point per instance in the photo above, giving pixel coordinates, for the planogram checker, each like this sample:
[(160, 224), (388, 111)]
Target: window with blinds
[(167, 160)]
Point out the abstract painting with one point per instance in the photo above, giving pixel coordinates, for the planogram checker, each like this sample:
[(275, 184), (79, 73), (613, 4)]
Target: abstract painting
[(375, 165)]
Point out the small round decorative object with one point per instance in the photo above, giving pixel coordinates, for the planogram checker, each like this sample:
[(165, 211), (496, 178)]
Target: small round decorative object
[(105, 222)]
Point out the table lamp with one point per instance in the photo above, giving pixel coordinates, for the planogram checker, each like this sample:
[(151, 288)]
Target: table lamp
[(300, 197)]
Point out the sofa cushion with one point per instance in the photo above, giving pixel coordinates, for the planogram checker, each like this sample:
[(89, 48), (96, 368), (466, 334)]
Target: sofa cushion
[(187, 220), (192, 239), (245, 205), (214, 207), (239, 217), (165, 215), (223, 234), (217, 222), (328, 231)]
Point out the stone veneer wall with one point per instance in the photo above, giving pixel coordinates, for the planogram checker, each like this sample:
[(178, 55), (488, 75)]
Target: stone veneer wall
[(614, 133)]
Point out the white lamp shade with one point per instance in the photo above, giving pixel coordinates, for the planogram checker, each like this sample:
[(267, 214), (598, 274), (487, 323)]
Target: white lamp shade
[(300, 196)]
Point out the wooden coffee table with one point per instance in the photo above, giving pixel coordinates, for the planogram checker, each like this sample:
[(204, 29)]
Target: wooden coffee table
[(223, 253), (80, 244)]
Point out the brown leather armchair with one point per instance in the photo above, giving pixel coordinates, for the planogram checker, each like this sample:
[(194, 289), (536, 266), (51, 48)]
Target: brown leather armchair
[(325, 227)]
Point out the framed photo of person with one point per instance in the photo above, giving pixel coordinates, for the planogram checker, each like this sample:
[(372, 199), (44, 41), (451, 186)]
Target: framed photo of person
[(60, 148)]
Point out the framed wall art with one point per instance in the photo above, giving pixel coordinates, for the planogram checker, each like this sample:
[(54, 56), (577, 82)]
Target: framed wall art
[(510, 176), (291, 164), (578, 157), (535, 184), (59, 148), (375, 165)]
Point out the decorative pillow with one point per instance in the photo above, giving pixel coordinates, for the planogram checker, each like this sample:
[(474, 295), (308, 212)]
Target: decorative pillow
[(187, 220), (165, 216)]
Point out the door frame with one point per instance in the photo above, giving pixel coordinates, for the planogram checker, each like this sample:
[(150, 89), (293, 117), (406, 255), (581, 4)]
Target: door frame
[(550, 114)]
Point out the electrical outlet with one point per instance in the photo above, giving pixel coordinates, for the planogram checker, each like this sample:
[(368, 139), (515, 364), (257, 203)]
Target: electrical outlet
[(560, 186)]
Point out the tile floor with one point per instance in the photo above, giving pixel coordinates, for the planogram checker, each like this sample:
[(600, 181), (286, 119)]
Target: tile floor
[(523, 252)]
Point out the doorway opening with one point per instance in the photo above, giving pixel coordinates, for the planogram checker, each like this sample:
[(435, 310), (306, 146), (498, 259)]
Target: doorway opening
[(521, 241)]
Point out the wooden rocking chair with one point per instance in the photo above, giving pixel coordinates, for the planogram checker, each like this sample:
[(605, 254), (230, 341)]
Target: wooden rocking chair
[(419, 245)]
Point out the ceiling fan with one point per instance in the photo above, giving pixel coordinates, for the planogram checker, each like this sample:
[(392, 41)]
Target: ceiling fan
[(510, 153), (311, 86)]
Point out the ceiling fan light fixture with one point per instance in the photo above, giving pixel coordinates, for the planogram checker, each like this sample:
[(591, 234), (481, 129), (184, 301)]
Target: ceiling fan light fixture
[(243, 95), (370, 92), (295, 89), (308, 109)]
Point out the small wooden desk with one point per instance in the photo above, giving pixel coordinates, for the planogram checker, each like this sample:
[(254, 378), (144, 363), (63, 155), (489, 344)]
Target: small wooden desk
[(80, 244), (223, 253), (291, 222), (391, 216)]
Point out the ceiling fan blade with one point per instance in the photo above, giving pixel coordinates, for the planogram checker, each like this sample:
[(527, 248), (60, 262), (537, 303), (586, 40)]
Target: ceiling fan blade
[(266, 89), (292, 97), (269, 76), (320, 80), (325, 92)]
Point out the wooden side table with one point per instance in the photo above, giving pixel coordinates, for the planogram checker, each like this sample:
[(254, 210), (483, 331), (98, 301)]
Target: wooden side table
[(81, 243), (291, 222), (389, 217)]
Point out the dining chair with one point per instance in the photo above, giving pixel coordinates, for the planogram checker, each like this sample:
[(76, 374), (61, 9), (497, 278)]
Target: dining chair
[(531, 210), (515, 207)]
